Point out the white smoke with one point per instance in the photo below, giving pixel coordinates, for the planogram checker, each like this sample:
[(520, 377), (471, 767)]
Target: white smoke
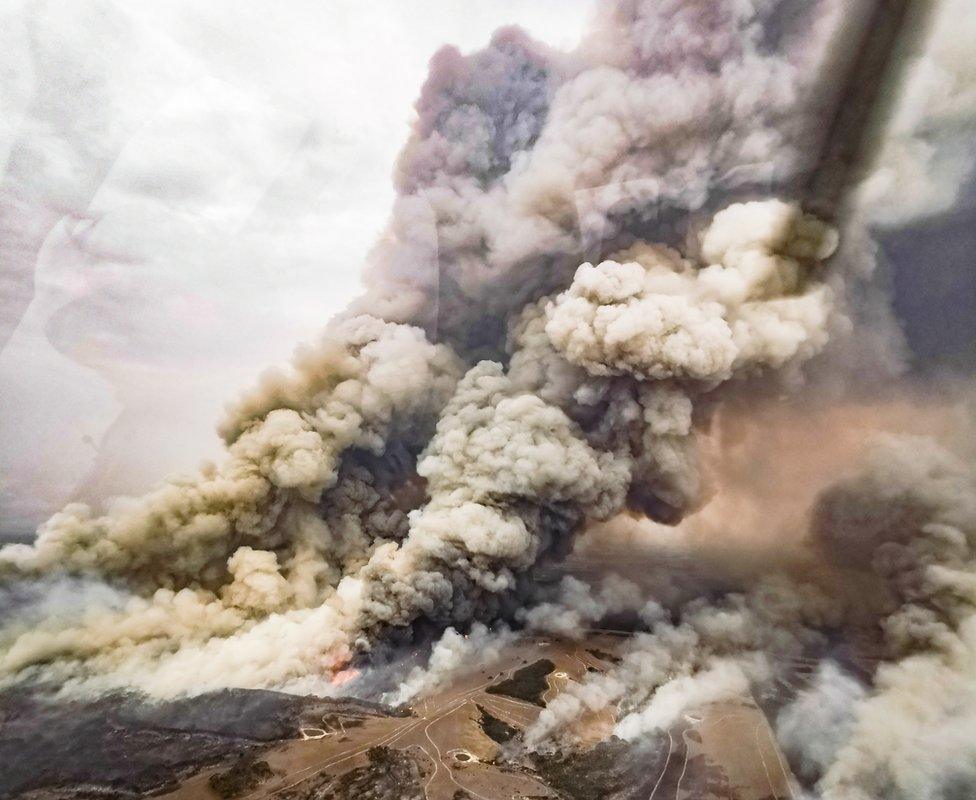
[(453, 653), (714, 651), (814, 726), (908, 518)]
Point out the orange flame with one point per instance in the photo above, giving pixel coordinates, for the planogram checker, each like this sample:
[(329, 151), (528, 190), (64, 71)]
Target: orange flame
[(343, 676)]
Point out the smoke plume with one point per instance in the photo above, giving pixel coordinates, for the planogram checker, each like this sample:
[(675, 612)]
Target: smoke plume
[(591, 253), (289, 529), (906, 519)]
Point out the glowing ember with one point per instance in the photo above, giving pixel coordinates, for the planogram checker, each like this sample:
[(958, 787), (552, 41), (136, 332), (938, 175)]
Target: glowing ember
[(342, 677)]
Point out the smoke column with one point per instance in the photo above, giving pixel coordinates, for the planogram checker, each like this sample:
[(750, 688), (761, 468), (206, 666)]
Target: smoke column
[(588, 253), (393, 474)]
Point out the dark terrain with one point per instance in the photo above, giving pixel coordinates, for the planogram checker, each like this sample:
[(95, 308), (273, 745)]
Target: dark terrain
[(122, 745), (461, 742)]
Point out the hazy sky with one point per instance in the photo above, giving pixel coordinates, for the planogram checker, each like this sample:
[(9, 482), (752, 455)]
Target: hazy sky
[(188, 191)]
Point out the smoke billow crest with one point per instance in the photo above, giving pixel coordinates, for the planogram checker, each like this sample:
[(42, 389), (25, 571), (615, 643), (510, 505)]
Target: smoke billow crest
[(588, 252)]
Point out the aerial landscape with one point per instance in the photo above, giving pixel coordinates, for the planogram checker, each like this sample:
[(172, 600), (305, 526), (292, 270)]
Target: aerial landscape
[(627, 445)]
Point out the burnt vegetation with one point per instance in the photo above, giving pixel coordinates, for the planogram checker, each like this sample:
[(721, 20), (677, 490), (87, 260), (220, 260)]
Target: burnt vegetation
[(527, 684), (496, 729), (244, 776), (388, 775)]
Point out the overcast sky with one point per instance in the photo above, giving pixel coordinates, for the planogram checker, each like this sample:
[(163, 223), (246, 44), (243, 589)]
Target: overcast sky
[(188, 191)]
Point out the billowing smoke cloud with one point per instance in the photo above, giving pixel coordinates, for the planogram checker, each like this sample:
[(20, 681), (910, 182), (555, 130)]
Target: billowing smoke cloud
[(522, 158), (908, 520), (712, 651), (452, 653), (813, 727), (911, 519), (588, 252), (291, 525)]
